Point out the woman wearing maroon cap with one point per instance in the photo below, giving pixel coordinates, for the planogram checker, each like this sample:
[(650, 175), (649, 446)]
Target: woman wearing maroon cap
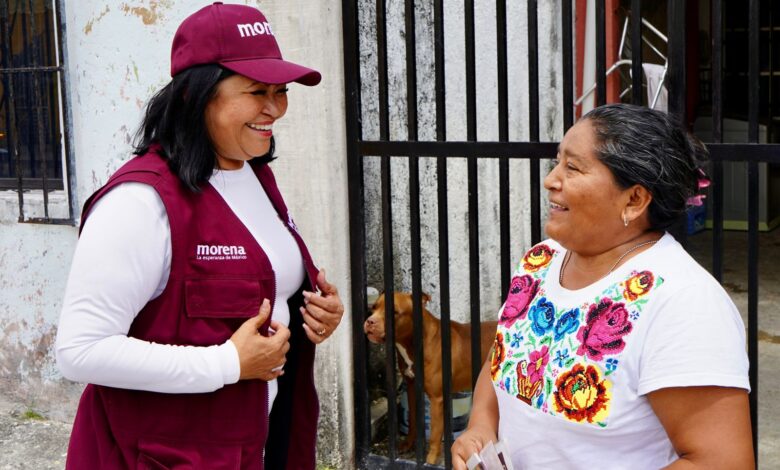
[(193, 306)]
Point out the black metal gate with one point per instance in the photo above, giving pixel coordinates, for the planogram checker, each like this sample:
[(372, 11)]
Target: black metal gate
[(368, 21)]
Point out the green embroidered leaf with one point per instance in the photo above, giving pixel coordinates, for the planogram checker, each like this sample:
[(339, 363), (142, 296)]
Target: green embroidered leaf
[(608, 372), (507, 368), (602, 424), (532, 341), (569, 362), (547, 387), (546, 340)]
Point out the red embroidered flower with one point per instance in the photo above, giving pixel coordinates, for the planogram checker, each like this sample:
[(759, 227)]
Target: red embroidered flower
[(537, 258), (606, 325), (537, 361), (581, 394), (638, 285), (521, 291), (499, 353)]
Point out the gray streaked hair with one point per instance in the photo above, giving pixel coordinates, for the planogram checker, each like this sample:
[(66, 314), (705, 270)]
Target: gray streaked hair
[(647, 147)]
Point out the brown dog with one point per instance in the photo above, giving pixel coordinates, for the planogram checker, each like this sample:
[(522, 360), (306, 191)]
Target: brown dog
[(460, 333)]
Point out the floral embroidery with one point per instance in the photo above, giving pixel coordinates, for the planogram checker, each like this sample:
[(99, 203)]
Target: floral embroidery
[(567, 323), (521, 291), (537, 258), (562, 359), (527, 389), (606, 325), (542, 316), (517, 339), (637, 285), (537, 361), (581, 394), (499, 354)]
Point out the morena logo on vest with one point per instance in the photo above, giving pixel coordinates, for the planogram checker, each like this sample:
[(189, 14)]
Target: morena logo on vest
[(220, 252)]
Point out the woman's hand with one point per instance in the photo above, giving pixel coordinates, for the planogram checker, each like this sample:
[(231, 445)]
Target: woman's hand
[(261, 357), (322, 312), (470, 442)]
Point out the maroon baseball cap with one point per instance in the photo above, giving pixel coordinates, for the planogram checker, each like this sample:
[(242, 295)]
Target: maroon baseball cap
[(239, 38)]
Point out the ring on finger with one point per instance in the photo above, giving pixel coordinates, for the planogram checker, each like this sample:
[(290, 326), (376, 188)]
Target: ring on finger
[(322, 332)]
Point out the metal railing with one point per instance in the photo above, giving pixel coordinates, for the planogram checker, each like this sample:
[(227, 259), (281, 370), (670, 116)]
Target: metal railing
[(504, 149)]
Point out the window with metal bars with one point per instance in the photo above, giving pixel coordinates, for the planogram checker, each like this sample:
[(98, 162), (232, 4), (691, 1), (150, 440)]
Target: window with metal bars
[(33, 157)]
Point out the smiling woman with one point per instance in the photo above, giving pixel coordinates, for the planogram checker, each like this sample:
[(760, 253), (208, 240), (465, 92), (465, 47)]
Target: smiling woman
[(193, 306), (614, 345)]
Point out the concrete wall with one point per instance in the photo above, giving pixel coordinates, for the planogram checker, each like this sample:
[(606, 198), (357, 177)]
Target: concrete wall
[(551, 103), (118, 55)]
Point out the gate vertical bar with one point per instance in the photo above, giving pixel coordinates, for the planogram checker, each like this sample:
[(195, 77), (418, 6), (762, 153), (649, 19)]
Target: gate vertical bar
[(636, 52), (357, 236), (676, 83), (568, 66), (533, 119), (414, 226), (473, 191), (387, 233), (444, 258), (753, 97), (717, 137), (64, 95), (503, 136), (389, 284), (601, 53)]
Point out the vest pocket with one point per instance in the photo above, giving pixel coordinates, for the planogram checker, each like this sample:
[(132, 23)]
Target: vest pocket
[(226, 298), (163, 455)]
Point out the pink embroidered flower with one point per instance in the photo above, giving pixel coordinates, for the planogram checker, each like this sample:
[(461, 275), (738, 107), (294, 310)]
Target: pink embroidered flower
[(537, 361), (521, 291), (606, 325)]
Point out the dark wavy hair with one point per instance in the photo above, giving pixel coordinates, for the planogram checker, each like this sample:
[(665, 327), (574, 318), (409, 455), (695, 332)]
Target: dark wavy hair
[(175, 118), (647, 147)]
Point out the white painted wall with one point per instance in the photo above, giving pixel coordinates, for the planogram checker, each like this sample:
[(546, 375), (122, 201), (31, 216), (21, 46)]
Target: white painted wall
[(118, 56)]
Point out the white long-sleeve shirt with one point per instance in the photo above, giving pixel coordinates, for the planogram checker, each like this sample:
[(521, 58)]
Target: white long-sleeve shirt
[(123, 260)]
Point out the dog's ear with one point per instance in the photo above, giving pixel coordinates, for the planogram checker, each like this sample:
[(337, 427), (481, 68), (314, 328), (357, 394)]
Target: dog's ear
[(425, 298)]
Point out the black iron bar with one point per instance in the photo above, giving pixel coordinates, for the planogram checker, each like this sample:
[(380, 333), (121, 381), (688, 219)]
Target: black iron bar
[(474, 293), (471, 84), (381, 52), (717, 137), (503, 136), (676, 74), (601, 53), (533, 119), (43, 68), (444, 302), (568, 65), (417, 312), (414, 226), (444, 264), (753, 104), (636, 52), (438, 35), (66, 124), (389, 289), (357, 235), (737, 152)]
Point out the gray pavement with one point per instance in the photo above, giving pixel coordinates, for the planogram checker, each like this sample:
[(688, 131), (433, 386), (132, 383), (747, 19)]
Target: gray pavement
[(27, 442)]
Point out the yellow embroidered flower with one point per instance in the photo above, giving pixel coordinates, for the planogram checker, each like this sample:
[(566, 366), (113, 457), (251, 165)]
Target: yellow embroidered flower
[(638, 285), (499, 354), (537, 258), (581, 394)]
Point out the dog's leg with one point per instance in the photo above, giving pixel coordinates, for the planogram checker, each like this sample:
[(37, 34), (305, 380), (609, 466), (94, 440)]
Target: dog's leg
[(408, 443), (437, 429)]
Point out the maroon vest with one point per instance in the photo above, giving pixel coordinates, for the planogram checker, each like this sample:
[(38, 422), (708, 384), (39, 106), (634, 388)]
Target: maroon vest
[(219, 277)]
